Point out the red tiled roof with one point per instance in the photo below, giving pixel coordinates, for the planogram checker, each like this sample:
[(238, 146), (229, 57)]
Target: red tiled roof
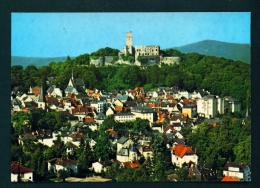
[(14, 169), (51, 99), (26, 109), (227, 178), (96, 95), (36, 90), (186, 101), (139, 89), (159, 113), (134, 165), (147, 149), (160, 120), (130, 164), (169, 127), (182, 150), (89, 92), (111, 132), (63, 161), (118, 108), (89, 119), (170, 97), (77, 135), (150, 105)]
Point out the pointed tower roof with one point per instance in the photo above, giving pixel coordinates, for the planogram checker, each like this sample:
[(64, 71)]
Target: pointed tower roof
[(70, 82)]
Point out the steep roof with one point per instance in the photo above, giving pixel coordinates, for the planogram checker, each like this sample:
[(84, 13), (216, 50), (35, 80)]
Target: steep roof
[(70, 145), (122, 140), (181, 150), (131, 164), (71, 89), (241, 166), (79, 81), (100, 116), (77, 135), (14, 168), (63, 161), (168, 127), (229, 179)]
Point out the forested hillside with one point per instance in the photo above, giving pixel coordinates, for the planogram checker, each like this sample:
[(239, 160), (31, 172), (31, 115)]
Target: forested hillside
[(220, 76), (37, 61), (239, 52)]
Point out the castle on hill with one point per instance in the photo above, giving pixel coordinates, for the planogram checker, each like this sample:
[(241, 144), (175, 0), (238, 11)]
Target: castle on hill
[(138, 55)]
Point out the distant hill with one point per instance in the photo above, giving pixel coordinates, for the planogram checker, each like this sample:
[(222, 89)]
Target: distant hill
[(233, 51), (37, 61)]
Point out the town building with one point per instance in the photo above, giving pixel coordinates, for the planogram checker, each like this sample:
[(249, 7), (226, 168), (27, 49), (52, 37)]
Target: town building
[(239, 171), (26, 174), (183, 154), (122, 117), (124, 153), (144, 112)]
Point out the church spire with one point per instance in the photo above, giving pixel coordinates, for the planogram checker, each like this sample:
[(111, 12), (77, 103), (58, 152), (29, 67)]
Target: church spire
[(41, 95), (71, 80)]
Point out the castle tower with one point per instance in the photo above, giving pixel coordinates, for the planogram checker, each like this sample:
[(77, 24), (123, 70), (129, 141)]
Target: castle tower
[(129, 39)]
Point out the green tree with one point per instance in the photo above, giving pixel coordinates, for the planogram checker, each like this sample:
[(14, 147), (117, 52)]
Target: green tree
[(22, 121), (16, 76), (102, 148), (38, 119), (63, 174), (141, 125), (242, 151), (172, 80), (30, 77), (159, 159), (84, 155), (182, 173), (16, 152), (113, 171)]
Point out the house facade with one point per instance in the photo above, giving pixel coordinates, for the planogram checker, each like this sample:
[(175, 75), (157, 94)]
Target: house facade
[(181, 154), (98, 166), (240, 171), (207, 106), (56, 164), (100, 106), (26, 174), (123, 146), (143, 112), (123, 117)]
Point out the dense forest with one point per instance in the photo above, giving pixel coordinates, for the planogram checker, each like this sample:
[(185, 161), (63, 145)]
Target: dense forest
[(220, 76)]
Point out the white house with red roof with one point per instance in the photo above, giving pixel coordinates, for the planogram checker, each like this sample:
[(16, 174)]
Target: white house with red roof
[(26, 173), (57, 164), (183, 154), (76, 137)]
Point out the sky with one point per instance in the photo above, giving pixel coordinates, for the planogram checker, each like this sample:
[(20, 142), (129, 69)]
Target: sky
[(73, 34)]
